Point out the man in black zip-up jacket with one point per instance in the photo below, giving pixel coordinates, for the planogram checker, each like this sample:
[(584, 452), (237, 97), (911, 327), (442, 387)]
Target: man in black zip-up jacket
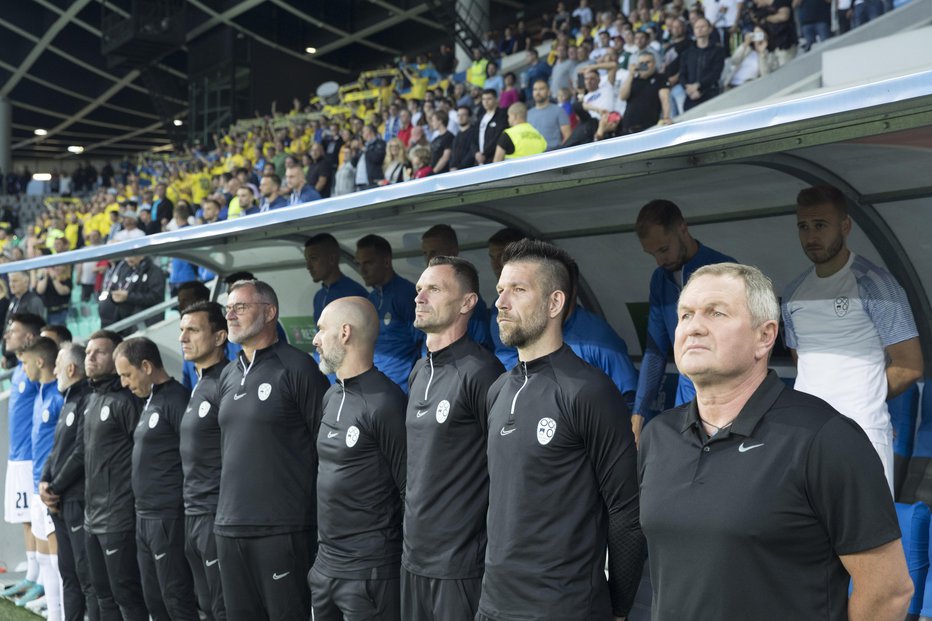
[(701, 66), (447, 497), (203, 342), (562, 462), (135, 284), (361, 479), (110, 418), (157, 481), (61, 487), (270, 410)]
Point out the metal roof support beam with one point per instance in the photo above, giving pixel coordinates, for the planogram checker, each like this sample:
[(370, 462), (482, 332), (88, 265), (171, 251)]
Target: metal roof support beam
[(874, 227), (229, 22), (412, 14), (337, 31), (42, 44)]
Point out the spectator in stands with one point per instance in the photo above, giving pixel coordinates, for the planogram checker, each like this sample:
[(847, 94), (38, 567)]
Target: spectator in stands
[(300, 191), (848, 323), (441, 147), (210, 211), (585, 129), (270, 190), (246, 201), (397, 167), (493, 79), (162, 207), (866, 10), (464, 145), (320, 170), (54, 287), (398, 344), (648, 95), (722, 15), (22, 300), (520, 139), (181, 216), (510, 94), (701, 66), (776, 17), (130, 228), (446, 62), (815, 20), (369, 160), (564, 69), (751, 60), (87, 272), (548, 118), (404, 129), (135, 285), (392, 122), (600, 97), (509, 43), (844, 13), (584, 14), (493, 122), (476, 73), (538, 69), (420, 162), (147, 224)]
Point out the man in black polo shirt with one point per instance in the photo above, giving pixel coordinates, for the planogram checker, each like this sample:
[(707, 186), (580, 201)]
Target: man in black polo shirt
[(562, 462), (203, 342), (157, 481), (361, 480), (758, 502), (109, 515), (648, 95), (270, 409), (447, 497)]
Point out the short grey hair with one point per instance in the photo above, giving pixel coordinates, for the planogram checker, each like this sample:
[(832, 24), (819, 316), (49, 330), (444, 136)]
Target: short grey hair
[(761, 298), (263, 289), (73, 354)]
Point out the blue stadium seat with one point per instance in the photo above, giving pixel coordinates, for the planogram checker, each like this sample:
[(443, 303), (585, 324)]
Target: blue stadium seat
[(904, 413), (914, 523), (927, 595), (918, 484)]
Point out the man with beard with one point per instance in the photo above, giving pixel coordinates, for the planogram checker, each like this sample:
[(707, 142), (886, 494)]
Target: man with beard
[(62, 487), (270, 409), (848, 323), (110, 418), (447, 497), (203, 343), (664, 235), (361, 481), (558, 429), (157, 481)]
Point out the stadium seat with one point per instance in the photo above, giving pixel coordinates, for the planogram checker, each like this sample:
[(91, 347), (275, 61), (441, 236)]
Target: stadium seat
[(904, 413), (914, 524), (918, 484)]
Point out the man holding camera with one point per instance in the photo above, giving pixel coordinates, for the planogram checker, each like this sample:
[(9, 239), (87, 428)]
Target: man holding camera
[(648, 95)]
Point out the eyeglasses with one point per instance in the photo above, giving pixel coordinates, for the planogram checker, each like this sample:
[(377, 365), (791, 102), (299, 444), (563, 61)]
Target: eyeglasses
[(240, 307)]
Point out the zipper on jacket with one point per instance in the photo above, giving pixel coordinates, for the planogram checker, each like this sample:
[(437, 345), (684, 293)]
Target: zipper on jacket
[(514, 401), (430, 360)]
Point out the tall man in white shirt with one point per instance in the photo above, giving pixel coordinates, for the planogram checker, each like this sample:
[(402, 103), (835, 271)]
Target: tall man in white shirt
[(848, 323)]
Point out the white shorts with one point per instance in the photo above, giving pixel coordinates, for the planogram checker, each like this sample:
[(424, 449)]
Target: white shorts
[(41, 524), (18, 494), (882, 439)]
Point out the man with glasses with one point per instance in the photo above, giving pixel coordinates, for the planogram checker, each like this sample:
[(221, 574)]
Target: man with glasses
[(270, 411)]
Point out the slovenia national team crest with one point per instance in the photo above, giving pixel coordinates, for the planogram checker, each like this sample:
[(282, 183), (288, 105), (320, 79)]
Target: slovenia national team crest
[(264, 391), (69, 420), (153, 420), (387, 319), (203, 409), (104, 413), (841, 305), (352, 436), (45, 416), (545, 430), (22, 387), (443, 410)]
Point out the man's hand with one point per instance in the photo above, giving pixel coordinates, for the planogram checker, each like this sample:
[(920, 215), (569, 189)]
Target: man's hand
[(47, 496), (637, 424), (480, 158), (119, 296)]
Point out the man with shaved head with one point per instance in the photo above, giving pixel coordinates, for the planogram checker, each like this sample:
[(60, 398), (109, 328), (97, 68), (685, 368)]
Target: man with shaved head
[(361, 479)]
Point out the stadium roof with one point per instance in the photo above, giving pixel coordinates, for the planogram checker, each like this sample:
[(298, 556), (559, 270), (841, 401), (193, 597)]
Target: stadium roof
[(54, 73)]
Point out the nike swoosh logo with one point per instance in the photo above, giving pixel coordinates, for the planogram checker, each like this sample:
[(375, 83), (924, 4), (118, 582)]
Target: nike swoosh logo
[(211, 563), (159, 557), (112, 552), (332, 434), (421, 413), (280, 576), (745, 449), (75, 529), (505, 433), (238, 397)]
